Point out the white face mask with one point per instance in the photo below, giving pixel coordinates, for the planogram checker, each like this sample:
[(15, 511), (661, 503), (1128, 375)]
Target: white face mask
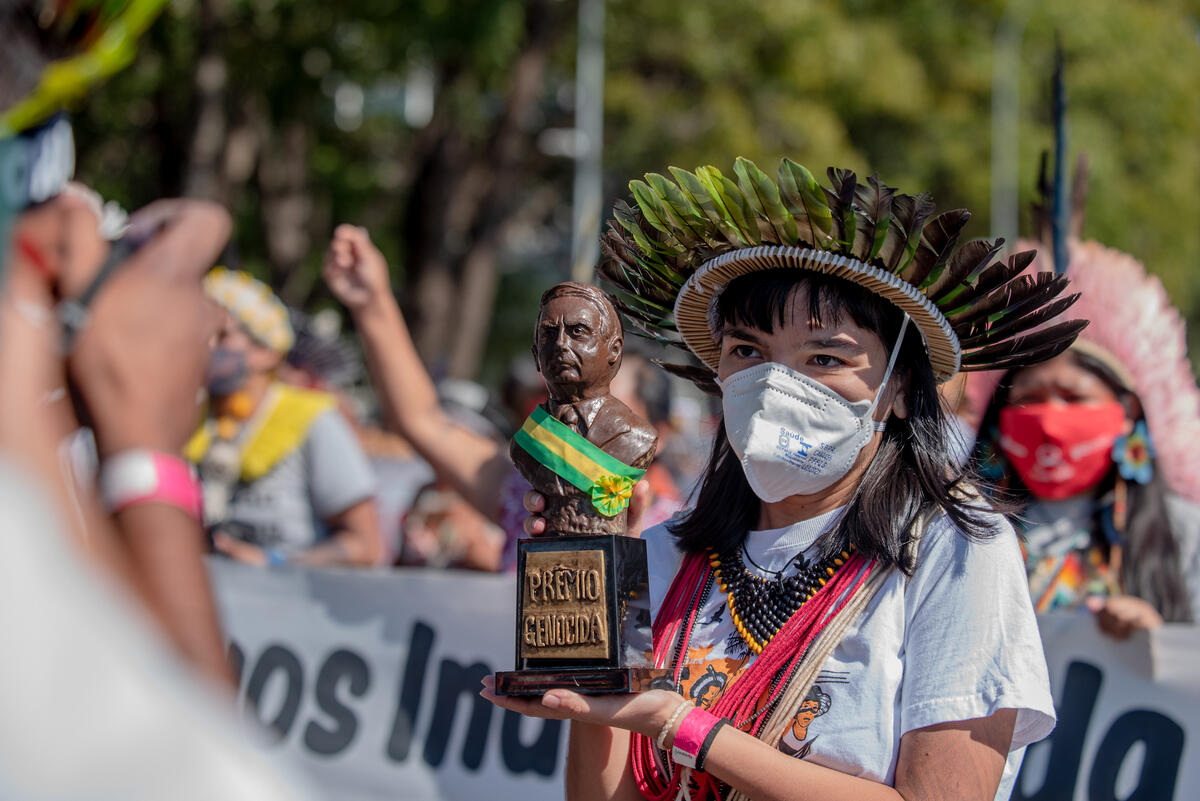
[(792, 434)]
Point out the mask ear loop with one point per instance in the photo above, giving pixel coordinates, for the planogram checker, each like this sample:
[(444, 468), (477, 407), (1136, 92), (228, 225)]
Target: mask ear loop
[(880, 425)]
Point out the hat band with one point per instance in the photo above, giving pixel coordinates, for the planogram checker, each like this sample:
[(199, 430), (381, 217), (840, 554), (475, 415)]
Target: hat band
[(942, 343)]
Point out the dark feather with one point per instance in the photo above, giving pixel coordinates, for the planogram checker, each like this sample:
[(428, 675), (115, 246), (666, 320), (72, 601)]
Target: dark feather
[(1015, 324), (702, 377), (874, 201), (1041, 354), (1028, 343), (967, 264), (908, 217), (988, 281), (1011, 297), (624, 266), (936, 245), (841, 206)]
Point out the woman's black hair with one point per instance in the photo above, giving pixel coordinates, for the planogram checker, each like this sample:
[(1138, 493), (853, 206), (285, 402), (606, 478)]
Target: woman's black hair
[(1150, 567), (913, 472)]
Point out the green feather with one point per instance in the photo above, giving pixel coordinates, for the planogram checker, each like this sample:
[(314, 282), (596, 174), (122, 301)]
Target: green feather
[(683, 208), (763, 195), (656, 212), (737, 208), (806, 202), (628, 219), (710, 206)]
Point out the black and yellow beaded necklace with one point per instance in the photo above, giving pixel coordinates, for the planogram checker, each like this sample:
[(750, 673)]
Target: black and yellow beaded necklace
[(760, 607)]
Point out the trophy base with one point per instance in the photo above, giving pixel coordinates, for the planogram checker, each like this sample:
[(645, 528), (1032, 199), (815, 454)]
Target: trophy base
[(586, 680)]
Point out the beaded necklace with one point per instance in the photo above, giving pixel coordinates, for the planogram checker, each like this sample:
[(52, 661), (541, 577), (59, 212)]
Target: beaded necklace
[(760, 607)]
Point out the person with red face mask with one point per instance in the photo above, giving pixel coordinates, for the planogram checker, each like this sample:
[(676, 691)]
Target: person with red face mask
[(1099, 445)]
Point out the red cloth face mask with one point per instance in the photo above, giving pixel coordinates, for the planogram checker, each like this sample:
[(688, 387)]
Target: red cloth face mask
[(1061, 449)]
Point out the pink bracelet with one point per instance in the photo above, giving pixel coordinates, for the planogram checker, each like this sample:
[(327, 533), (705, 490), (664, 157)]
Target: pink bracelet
[(135, 477), (690, 737)]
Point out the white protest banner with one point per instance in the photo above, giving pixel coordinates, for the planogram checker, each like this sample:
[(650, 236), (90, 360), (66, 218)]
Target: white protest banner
[(370, 681), (1128, 716)]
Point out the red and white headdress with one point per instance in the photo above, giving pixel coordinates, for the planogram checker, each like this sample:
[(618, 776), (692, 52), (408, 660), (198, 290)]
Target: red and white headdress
[(1136, 331)]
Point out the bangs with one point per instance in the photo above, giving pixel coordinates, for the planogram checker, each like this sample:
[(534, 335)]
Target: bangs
[(765, 300)]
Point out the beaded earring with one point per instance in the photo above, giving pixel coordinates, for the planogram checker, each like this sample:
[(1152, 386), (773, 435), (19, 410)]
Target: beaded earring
[(1134, 454)]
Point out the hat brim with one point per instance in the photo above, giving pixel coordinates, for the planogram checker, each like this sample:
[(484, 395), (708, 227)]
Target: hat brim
[(692, 305)]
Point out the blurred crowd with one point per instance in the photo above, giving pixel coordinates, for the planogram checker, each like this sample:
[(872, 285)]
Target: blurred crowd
[(301, 463)]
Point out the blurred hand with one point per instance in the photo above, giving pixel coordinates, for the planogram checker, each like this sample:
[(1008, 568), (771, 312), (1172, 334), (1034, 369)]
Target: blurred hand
[(355, 271), (239, 551), (535, 504), (139, 363), (1120, 615)]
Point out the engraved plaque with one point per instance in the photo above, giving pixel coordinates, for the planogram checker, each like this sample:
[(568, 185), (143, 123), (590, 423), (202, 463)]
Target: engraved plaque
[(564, 608)]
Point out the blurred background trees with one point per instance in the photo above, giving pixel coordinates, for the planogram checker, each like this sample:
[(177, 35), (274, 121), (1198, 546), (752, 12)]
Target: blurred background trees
[(445, 127)]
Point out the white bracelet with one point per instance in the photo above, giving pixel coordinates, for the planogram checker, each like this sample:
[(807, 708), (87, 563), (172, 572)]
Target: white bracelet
[(661, 740)]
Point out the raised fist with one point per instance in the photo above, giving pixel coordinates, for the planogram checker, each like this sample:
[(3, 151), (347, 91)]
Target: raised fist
[(355, 271)]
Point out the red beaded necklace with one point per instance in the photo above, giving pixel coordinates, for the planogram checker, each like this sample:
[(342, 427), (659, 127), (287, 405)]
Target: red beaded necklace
[(767, 677)]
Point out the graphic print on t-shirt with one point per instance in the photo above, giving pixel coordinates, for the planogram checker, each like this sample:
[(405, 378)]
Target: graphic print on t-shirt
[(706, 674), (795, 741)]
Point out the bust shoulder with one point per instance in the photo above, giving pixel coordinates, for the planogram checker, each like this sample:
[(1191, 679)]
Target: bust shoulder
[(622, 434)]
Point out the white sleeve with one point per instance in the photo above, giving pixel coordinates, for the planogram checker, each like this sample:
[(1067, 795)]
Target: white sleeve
[(663, 559), (971, 639), (339, 472), (1185, 525)]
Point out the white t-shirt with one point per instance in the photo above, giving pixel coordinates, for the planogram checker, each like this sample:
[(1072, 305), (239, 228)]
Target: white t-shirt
[(957, 640)]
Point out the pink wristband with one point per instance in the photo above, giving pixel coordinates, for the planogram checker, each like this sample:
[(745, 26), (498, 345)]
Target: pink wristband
[(694, 728), (142, 476)]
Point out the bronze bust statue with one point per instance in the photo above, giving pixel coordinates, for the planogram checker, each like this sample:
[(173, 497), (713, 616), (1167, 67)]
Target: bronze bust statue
[(577, 347)]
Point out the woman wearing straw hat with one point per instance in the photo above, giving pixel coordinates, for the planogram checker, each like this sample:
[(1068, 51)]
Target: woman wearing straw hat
[(832, 540)]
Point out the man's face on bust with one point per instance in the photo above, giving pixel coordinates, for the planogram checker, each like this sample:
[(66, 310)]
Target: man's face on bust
[(574, 346)]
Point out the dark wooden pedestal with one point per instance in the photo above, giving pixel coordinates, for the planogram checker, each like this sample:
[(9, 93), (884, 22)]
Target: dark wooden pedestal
[(574, 616)]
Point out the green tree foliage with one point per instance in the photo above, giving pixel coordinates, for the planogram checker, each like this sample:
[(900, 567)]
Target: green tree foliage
[(249, 100)]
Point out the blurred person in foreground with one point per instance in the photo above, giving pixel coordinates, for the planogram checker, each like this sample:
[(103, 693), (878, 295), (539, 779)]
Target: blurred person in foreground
[(94, 705), (1099, 445), (285, 478), (476, 466)]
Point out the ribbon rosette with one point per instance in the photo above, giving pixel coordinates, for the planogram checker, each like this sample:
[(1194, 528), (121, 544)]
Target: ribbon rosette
[(611, 494)]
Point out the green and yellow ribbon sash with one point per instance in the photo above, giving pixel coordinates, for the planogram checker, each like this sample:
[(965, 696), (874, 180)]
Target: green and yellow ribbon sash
[(572, 458)]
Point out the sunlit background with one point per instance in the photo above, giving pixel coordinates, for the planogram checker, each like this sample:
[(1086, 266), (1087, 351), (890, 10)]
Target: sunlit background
[(476, 138)]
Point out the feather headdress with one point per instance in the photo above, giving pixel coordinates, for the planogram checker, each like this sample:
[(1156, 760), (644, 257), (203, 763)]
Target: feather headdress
[(670, 254), (1133, 322)]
